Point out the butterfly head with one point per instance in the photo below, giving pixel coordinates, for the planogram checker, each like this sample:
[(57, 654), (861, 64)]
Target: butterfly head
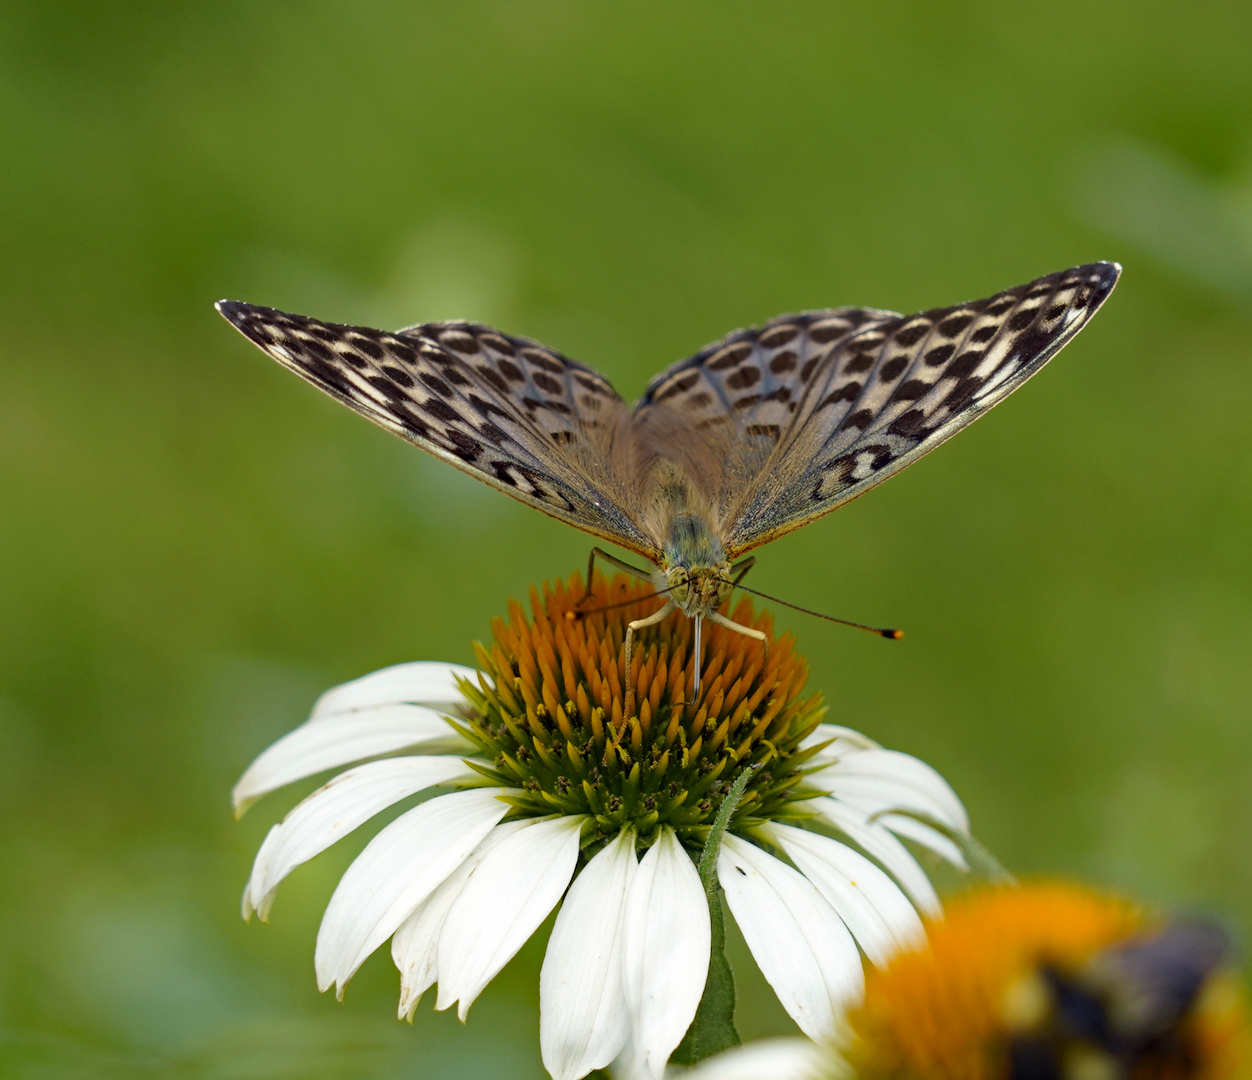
[(695, 567), (698, 590)]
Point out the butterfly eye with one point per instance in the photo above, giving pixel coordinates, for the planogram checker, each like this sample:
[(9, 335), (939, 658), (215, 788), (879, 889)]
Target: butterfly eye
[(678, 581)]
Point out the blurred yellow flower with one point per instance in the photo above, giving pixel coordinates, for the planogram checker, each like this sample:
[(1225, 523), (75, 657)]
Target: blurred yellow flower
[(1048, 981)]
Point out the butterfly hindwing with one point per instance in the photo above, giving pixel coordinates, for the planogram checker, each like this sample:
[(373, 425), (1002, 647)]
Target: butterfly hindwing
[(507, 410), (894, 391), (742, 393)]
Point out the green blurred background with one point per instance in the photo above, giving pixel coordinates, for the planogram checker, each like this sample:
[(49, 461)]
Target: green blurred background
[(193, 543)]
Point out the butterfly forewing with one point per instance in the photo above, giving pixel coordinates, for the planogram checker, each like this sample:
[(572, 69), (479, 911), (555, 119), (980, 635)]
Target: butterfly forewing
[(892, 392), (507, 410)]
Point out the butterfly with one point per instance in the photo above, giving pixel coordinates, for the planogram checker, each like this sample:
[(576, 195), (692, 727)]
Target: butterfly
[(755, 435)]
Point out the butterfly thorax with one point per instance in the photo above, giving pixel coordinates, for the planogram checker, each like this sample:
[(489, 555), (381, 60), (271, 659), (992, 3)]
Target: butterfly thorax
[(694, 567)]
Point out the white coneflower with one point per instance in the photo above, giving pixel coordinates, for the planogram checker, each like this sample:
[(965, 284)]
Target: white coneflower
[(558, 795)]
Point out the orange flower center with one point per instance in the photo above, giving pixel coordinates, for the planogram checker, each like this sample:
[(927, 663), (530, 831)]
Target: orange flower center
[(549, 714)]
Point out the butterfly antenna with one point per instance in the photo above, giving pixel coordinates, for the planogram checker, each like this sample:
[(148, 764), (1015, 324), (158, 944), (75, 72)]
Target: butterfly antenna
[(894, 635), (575, 615)]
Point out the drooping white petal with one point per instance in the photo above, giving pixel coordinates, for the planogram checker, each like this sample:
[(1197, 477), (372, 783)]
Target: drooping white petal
[(415, 945), (775, 1059), (326, 742), (877, 840), (507, 895), (798, 941), (398, 869), (424, 682), (334, 810), (878, 780), (879, 915), (842, 740), (926, 836), (583, 1019), (665, 951)]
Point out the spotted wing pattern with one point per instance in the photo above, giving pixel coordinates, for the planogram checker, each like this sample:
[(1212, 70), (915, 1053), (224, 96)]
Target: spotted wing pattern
[(768, 428), (742, 393), (890, 391), (511, 412)]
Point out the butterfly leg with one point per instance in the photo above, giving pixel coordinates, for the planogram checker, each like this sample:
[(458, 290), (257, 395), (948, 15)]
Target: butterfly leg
[(627, 678), (634, 571), (739, 628)]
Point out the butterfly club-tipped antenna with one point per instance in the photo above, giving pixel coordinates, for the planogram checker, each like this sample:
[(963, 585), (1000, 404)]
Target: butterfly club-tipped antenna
[(893, 635)]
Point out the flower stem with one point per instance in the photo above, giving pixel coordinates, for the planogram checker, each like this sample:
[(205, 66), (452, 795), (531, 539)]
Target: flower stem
[(713, 1028)]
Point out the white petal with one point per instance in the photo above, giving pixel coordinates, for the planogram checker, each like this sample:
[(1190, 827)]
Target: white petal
[(879, 915), (415, 945), (842, 740), (583, 1018), (398, 869), (926, 836), (777, 1059), (665, 950), (877, 780), (529, 872), (422, 683), (878, 841), (326, 742), (335, 809), (799, 943)]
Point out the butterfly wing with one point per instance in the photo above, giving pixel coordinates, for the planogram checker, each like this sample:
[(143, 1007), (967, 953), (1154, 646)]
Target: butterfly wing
[(507, 410), (883, 393), (721, 413)]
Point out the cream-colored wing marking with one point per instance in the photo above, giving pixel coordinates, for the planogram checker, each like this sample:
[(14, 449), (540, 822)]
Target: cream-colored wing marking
[(504, 409)]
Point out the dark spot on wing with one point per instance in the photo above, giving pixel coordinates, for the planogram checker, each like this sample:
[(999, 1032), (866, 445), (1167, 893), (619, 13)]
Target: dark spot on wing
[(440, 410), (743, 378), (459, 340), (371, 348), (465, 447), (494, 378), (680, 385), (908, 423), (783, 362), (964, 364), (542, 360), (779, 335), (500, 344), (1023, 319), (892, 368), (729, 356), (955, 325), (848, 392), (912, 334), (547, 383)]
